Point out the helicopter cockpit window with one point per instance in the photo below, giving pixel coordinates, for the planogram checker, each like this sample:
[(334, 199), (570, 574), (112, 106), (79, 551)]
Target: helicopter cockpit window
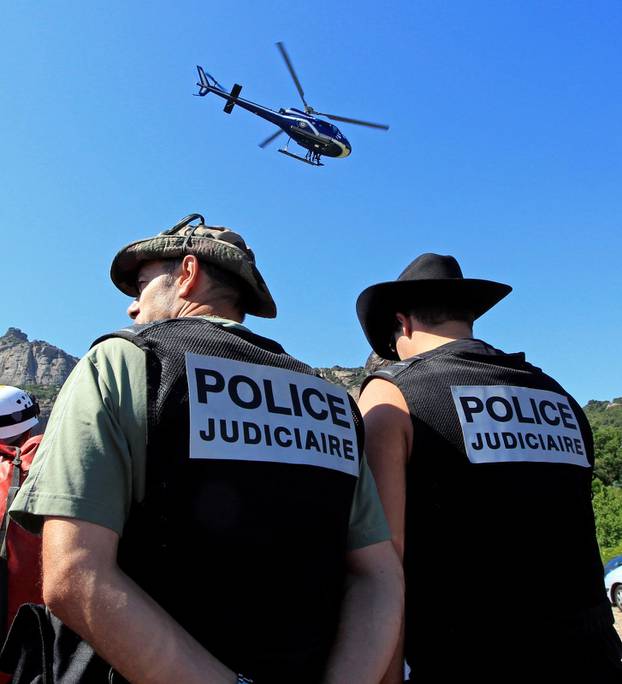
[(327, 128)]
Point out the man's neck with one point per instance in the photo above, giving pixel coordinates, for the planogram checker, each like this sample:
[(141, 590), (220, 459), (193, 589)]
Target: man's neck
[(424, 338), (222, 311), (425, 341)]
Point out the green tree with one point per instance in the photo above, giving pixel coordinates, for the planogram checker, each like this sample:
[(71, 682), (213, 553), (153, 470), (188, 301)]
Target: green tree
[(601, 413), (608, 453), (607, 503)]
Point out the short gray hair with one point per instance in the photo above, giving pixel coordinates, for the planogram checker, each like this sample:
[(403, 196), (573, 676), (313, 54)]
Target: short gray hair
[(224, 285)]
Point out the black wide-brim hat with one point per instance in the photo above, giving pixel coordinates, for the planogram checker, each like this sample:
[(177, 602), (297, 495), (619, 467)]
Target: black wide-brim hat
[(430, 280)]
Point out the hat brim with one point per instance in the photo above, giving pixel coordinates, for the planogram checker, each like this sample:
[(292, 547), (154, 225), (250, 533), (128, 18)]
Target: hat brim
[(258, 301), (377, 305)]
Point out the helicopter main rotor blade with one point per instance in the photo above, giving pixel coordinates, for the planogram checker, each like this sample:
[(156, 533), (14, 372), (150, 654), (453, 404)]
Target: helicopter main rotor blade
[(290, 66), (268, 140), (334, 117)]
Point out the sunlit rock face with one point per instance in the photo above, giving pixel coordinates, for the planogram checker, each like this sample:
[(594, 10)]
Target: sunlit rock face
[(37, 366), (32, 363)]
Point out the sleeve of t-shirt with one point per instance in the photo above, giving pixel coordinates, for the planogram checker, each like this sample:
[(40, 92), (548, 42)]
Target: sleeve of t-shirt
[(368, 524), (88, 466)]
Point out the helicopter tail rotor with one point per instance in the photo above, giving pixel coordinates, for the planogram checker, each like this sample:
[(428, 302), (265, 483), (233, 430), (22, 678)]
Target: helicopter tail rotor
[(207, 83), (204, 84)]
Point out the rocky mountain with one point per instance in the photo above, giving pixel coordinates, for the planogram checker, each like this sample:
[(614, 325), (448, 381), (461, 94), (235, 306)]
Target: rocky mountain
[(32, 363), (37, 366), (350, 378)]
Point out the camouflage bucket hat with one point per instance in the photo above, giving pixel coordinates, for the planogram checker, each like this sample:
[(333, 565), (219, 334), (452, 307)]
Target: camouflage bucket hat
[(215, 245)]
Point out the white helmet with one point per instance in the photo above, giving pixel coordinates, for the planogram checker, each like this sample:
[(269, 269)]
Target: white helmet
[(18, 411)]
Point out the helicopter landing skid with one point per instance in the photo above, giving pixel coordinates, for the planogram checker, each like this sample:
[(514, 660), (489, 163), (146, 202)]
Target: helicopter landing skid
[(314, 161)]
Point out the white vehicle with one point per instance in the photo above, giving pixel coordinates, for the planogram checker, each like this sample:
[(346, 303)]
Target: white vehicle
[(613, 585)]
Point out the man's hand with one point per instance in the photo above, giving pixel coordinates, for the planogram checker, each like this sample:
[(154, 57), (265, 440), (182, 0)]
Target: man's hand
[(371, 616), (84, 587)]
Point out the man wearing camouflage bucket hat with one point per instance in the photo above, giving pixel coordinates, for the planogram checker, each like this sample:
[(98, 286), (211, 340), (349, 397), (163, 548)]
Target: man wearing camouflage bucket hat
[(209, 514), (213, 245)]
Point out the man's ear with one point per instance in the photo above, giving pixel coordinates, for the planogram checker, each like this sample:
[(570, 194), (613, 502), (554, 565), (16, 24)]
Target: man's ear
[(188, 278), (405, 322)]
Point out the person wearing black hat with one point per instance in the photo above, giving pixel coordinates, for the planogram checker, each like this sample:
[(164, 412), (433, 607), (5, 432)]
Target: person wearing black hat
[(484, 466), (209, 514)]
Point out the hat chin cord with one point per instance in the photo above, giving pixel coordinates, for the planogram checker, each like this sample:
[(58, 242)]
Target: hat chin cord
[(188, 239), (183, 223)]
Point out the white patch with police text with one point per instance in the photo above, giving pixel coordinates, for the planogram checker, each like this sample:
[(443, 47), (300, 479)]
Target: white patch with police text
[(248, 412), (502, 424)]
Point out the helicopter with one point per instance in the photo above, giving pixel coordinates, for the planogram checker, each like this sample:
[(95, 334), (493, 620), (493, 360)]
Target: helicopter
[(318, 137)]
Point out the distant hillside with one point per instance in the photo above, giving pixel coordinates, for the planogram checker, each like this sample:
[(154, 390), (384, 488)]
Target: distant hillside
[(42, 368), (350, 378), (605, 413)]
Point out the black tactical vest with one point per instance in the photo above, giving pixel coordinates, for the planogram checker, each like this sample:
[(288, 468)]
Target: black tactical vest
[(494, 537), (247, 556)]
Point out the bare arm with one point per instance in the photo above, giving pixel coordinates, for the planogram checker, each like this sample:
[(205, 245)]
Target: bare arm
[(371, 615), (85, 588), (388, 443)]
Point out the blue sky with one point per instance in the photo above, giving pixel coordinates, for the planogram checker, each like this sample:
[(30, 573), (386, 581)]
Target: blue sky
[(504, 150)]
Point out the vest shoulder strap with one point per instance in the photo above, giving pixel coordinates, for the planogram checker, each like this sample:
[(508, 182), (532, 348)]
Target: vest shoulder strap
[(392, 372), (131, 333), (12, 493), (395, 369), (135, 334), (359, 426)]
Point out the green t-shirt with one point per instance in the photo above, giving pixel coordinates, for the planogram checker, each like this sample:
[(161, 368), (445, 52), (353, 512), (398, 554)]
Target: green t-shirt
[(92, 461)]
